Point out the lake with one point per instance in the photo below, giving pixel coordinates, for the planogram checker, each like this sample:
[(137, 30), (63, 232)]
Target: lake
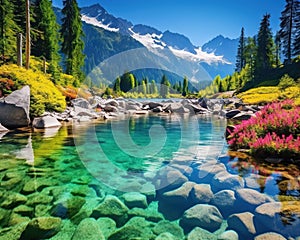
[(142, 177)]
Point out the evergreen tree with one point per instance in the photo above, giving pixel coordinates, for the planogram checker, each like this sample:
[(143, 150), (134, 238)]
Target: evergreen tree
[(277, 49), (296, 43), (72, 43), (240, 58), (185, 87), (46, 44), (265, 45), (289, 17), (117, 87), (164, 87), (19, 11), (144, 87), (127, 82), (8, 31), (153, 87), (250, 54)]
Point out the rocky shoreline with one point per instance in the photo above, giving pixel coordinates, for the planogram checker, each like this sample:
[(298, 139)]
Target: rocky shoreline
[(14, 109)]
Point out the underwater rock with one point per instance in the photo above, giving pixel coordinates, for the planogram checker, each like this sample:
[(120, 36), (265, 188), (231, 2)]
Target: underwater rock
[(170, 227), (67, 207), (200, 234), (16, 219), (278, 217), (179, 196), (243, 224), (202, 215), (113, 208), (13, 233), (148, 189), (169, 178), (4, 217), (12, 200), (135, 199), (24, 210), (42, 228), (225, 201), (225, 180), (249, 199), (208, 170), (149, 214), (229, 235), (135, 228), (270, 236), (166, 236), (88, 229), (201, 193), (14, 109), (107, 226)]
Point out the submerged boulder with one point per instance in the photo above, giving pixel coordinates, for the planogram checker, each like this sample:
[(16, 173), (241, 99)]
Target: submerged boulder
[(14, 109)]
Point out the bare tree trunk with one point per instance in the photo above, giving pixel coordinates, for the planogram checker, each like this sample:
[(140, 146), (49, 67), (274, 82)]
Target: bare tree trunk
[(19, 49), (28, 34)]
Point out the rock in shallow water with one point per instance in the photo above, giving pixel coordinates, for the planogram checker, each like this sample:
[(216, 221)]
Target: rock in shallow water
[(243, 224), (202, 215), (200, 234), (41, 228), (45, 122), (88, 229), (135, 199), (270, 236), (225, 201)]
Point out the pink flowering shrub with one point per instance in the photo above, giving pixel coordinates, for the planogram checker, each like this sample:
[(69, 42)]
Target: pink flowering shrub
[(274, 131)]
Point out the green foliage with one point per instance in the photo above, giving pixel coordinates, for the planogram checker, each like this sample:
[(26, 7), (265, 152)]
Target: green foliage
[(8, 30), (286, 81), (240, 58), (185, 89), (43, 93), (153, 88), (164, 87), (127, 82), (72, 43), (46, 43), (265, 47)]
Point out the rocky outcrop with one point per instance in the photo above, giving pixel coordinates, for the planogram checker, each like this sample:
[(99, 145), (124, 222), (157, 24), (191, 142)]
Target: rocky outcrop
[(14, 109), (243, 224)]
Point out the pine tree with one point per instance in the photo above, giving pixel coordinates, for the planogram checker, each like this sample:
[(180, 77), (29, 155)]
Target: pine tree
[(185, 87), (19, 11), (46, 44), (265, 46), (296, 43), (289, 18), (240, 58), (117, 87), (127, 82), (250, 54), (277, 48), (164, 87), (153, 87), (8, 31), (72, 43)]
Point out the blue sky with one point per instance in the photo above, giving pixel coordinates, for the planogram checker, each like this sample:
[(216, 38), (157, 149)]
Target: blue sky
[(200, 20)]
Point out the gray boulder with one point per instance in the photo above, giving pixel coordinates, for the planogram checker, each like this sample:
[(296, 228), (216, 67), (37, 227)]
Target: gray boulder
[(88, 229), (232, 113), (225, 201), (207, 171), (225, 180), (243, 224), (81, 102), (14, 109), (243, 116), (249, 199), (229, 235), (170, 227), (45, 122), (278, 217), (202, 215), (179, 196), (270, 236), (202, 193), (135, 199), (107, 226), (200, 234)]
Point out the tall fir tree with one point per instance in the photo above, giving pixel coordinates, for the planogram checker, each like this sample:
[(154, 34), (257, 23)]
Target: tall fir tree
[(265, 46), (185, 86), (164, 87), (46, 44), (296, 43), (72, 43), (8, 31), (240, 58), (288, 28), (19, 11), (277, 48)]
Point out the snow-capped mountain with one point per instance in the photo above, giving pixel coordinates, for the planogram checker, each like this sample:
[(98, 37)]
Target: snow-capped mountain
[(166, 51)]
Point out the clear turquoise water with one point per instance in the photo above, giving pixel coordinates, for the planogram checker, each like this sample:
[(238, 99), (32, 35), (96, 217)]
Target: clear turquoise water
[(121, 155)]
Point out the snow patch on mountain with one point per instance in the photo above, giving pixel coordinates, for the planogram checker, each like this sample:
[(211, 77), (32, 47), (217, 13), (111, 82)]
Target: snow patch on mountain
[(95, 22), (150, 41)]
